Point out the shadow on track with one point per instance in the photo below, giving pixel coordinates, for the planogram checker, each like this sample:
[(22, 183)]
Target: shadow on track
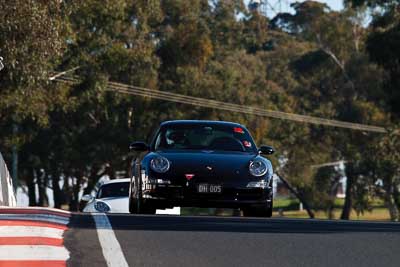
[(234, 224)]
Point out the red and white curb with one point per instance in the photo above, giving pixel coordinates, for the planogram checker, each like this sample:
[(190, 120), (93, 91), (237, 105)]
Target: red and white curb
[(33, 237)]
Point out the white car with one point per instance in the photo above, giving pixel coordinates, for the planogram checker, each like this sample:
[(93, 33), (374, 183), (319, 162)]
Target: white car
[(112, 196)]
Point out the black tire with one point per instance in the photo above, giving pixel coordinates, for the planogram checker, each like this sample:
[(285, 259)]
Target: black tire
[(133, 205), (133, 196), (137, 205), (269, 210)]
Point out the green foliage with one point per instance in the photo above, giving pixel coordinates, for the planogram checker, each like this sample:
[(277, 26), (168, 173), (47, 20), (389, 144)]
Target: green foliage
[(31, 43)]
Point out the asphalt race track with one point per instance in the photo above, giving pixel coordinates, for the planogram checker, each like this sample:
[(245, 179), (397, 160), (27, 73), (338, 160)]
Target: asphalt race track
[(231, 241)]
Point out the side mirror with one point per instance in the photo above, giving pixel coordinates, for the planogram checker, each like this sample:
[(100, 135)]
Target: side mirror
[(139, 146), (87, 198), (266, 150)]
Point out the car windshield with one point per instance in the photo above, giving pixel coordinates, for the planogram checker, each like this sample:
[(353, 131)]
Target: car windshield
[(114, 190), (204, 137)]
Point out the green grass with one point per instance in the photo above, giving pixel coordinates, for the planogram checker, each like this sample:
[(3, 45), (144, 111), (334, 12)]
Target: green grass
[(378, 214), (293, 203), (289, 208)]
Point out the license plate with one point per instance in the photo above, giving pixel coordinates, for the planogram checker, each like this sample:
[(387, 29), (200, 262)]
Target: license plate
[(209, 188)]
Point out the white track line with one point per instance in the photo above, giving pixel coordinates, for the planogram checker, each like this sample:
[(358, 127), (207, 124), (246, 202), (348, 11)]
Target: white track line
[(30, 231), (112, 251), (22, 252)]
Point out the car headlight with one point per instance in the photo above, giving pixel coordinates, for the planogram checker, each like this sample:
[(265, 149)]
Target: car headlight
[(102, 207), (160, 164), (258, 168)]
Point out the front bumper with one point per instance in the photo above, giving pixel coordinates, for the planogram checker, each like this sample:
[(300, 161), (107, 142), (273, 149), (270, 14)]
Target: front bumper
[(167, 196)]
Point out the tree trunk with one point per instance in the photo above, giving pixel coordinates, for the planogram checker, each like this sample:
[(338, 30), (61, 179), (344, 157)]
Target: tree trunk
[(66, 189), (390, 202), (396, 197), (55, 179), (110, 171), (32, 189), (348, 201), (332, 198), (93, 178), (74, 203), (41, 181), (392, 207), (298, 195)]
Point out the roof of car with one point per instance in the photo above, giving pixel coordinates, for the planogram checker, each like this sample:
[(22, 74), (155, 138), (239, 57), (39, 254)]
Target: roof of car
[(122, 180), (191, 122)]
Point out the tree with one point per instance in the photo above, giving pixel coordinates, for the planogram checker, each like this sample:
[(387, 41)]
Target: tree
[(385, 171), (331, 84), (382, 44), (31, 42)]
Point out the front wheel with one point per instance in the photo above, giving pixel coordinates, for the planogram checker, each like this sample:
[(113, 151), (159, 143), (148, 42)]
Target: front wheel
[(138, 205)]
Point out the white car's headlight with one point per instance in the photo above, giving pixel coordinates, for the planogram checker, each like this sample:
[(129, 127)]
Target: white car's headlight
[(160, 164), (258, 168), (101, 206)]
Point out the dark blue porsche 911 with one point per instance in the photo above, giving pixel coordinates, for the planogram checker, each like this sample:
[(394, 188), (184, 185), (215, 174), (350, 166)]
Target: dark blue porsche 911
[(202, 164)]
